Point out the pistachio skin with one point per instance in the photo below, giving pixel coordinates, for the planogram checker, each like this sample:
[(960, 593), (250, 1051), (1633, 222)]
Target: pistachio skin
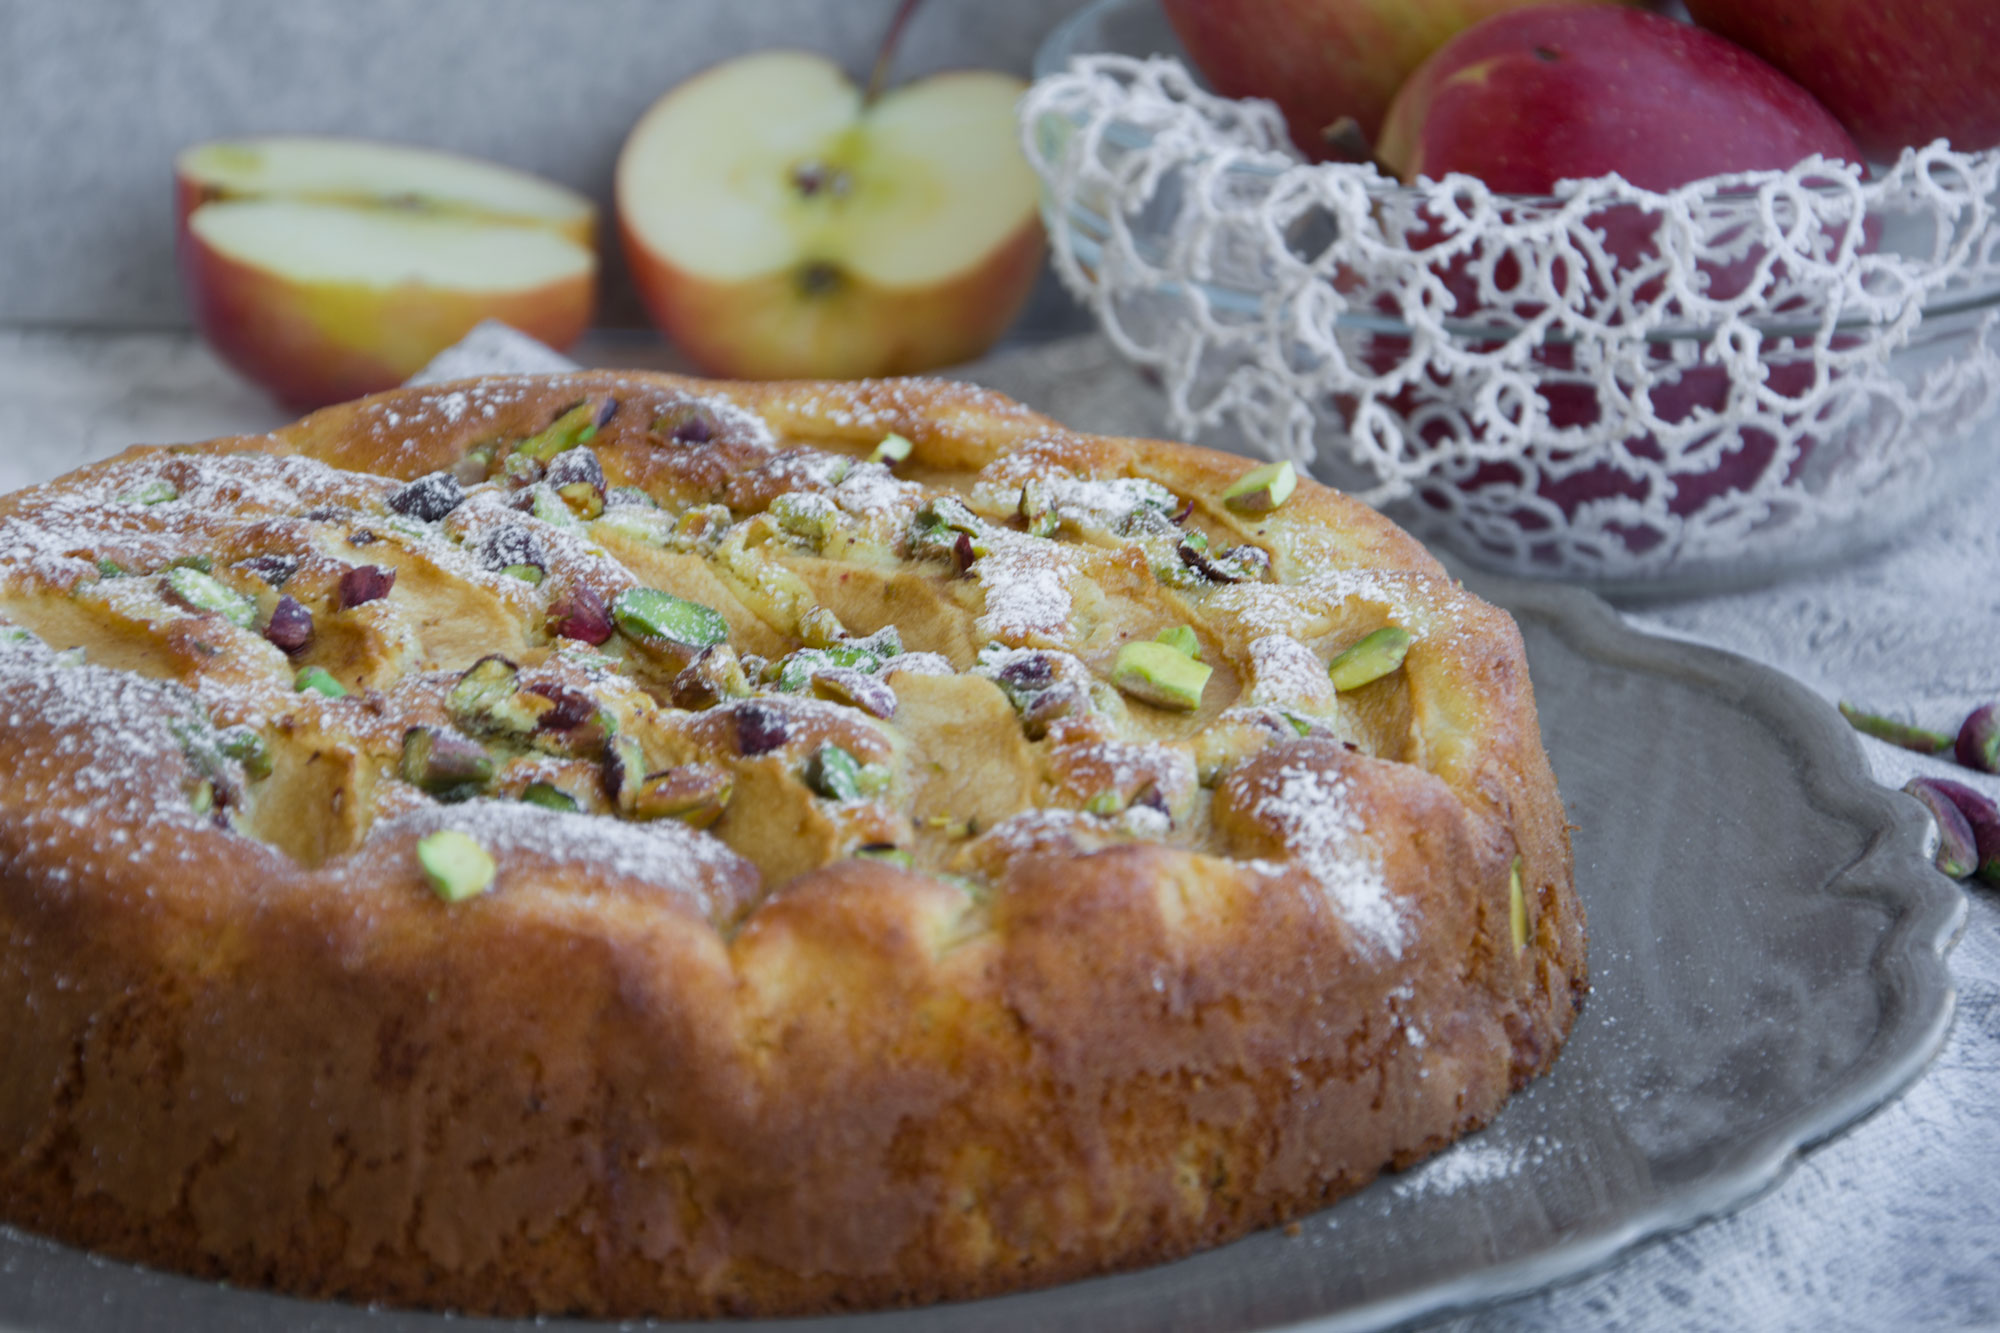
[(1957, 852), (1978, 744)]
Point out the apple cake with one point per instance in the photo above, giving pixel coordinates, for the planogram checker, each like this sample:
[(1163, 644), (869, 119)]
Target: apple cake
[(614, 844)]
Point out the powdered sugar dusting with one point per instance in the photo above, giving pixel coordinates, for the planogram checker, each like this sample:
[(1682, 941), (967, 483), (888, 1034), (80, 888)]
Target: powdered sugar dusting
[(1314, 815), (1027, 589), (1284, 671)]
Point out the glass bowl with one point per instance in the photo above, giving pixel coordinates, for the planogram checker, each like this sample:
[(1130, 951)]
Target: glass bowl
[(1648, 393)]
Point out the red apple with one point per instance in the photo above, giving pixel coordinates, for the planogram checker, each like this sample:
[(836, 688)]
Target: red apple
[(1560, 92), (1321, 60), (1897, 75), (328, 268), (1565, 91), (779, 224)]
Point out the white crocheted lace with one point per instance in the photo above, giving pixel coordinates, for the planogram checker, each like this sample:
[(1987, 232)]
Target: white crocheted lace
[(1608, 383)]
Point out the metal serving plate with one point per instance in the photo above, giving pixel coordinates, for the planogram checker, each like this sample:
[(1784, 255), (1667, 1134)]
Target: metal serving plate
[(1768, 956)]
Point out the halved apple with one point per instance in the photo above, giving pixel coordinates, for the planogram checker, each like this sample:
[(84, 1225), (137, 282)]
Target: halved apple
[(328, 268), (779, 225)]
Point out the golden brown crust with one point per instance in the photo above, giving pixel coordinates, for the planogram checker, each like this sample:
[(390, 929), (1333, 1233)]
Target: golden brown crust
[(742, 1071)]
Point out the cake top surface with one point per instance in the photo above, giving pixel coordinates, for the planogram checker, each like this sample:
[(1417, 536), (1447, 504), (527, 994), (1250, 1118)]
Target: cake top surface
[(665, 641)]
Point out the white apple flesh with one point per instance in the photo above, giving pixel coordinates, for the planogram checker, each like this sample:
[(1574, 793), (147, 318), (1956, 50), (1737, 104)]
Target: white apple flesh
[(325, 268), (777, 226)]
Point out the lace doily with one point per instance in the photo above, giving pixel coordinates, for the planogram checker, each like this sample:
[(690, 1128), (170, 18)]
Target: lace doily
[(1608, 383)]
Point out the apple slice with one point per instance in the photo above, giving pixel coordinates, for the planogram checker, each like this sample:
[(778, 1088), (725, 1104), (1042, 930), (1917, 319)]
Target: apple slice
[(328, 268), (778, 224)]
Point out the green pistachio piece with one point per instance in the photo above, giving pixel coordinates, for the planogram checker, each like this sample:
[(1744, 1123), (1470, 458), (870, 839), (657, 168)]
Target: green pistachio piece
[(456, 866), (695, 794), (532, 574), (1262, 489), (318, 680), (202, 798), (885, 851), (521, 468), (807, 515), (834, 773), (624, 769), (206, 564), (550, 797), (110, 569), (651, 526), (203, 592), (893, 449), (155, 492), (652, 616), (444, 764), (1195, 539), (1181, 638), (1159, 675), (1104, 803), (247, 748), (550, 508), (573, 427), (1374, 657)]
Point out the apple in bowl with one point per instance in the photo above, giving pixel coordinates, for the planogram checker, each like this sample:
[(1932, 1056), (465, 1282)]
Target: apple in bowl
[(326, 268), (781, 223), (1560, 92)]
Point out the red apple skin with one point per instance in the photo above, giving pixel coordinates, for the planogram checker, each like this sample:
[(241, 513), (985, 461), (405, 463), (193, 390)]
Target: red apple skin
[(1320, 60), (314, 344), (1562, 92), (770, 328), (1897, 75)]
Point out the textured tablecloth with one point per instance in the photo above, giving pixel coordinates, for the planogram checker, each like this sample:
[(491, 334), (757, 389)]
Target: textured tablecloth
[(1894, 1224)]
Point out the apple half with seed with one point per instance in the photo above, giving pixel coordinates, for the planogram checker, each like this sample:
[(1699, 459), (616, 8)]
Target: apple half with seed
[(780, 224), (328, 268)]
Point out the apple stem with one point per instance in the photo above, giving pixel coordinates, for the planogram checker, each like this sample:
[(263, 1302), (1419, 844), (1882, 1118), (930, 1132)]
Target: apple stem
[(878, 77)]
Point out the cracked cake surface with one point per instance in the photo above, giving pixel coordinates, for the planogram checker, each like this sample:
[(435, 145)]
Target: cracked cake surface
[(616, 844)]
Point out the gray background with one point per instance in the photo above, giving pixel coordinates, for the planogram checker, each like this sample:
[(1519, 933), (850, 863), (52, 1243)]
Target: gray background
[(96, 96)]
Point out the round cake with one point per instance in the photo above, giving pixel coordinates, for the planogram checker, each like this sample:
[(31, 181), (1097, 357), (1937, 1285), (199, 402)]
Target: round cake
[(617, 845)]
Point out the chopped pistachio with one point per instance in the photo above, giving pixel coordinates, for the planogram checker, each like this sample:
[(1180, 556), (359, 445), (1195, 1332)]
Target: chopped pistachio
[(550, 797), (1159, 675), (202, 798), (318, 680), (521, 468), (456, 866), (154, 492), (807, 515), (1298, 723), (475, 466), (885, 851), (1104, 803), (203, 592), (624, 767), (820, 627), (204, 563), (855, 689), (1181, 638), (893, 449), (1376, 655), (715, 675), (1517, 906), (530, 574), (573, 427), (1894, 732), (834, 773), (247, 748), (444, 764), (290, 626), (1262, 489), (110, 569), (488, 698), (651, 526), (695, 794), (1196, 540), (652, 616)]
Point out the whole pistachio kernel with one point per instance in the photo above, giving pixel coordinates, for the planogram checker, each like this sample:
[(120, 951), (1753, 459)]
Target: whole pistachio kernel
[(203, 592), (444, 764), (1262, 489), (650, 615), (1373, 657), (455, 865), (1977, 745), (1517, 906), (893, 449), (1159, 675), (318, 680), (1181, 638)]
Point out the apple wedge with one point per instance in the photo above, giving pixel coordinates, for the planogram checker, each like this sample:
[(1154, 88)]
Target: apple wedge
[(780, 225), (328, 268)]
